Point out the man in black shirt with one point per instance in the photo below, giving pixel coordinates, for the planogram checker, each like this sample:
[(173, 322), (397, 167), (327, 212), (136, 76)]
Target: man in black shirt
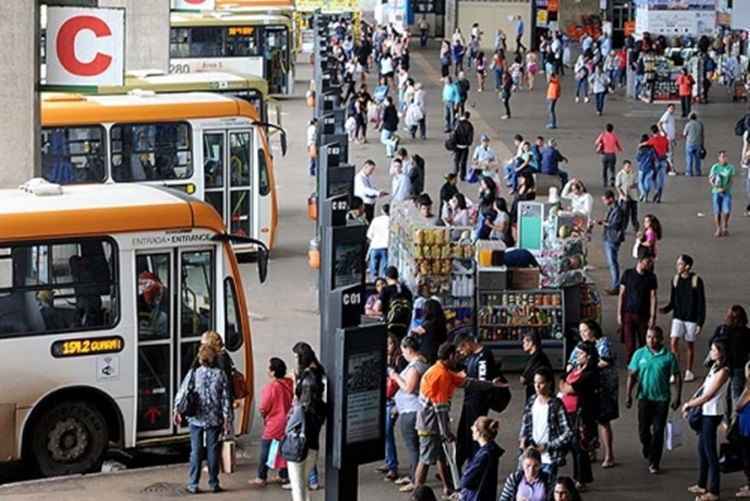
[(463, 137), (397, 295), (687, 302), (479, 364), (636, 307)]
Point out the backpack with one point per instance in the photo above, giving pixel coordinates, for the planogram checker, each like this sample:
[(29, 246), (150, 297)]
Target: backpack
[(399, 314), (694, 280), (739, 127), (416, 175)]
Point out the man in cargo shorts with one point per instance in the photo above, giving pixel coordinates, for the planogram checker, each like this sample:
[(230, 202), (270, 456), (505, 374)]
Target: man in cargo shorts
[(433, 421)]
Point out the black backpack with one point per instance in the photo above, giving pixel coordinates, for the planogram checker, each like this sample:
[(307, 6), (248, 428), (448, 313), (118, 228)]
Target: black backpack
[(399, 314), (739, 127), (416, 175)]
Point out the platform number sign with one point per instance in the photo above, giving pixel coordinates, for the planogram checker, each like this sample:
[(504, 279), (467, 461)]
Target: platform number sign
[(85, 47), (194, 4)]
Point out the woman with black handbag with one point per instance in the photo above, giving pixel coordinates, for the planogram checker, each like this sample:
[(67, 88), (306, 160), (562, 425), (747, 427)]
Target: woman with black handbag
[(204, 399), (712, 402), (302, 442)]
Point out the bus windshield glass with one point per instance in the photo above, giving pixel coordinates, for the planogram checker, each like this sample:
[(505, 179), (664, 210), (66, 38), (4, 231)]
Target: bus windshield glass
[(151, 152), (214, 41), (73, 154)]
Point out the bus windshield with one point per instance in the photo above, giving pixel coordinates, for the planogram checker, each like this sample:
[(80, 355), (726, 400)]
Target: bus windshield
[(214, 41)]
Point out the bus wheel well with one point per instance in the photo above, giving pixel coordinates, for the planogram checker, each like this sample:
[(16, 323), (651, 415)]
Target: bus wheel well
[(103, 402)]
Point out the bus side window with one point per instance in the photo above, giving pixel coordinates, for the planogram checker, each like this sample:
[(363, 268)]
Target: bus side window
[(59, 287), (152, 152), (264, 183), (73, 155)]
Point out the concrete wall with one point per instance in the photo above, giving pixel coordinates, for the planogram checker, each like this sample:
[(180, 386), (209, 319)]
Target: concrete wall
[(18, 100), (491, 16), (147, 38)]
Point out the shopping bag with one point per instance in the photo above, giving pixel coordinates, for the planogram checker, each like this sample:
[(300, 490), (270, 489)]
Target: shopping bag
[(273, 451), (228, 456), (675, 434)]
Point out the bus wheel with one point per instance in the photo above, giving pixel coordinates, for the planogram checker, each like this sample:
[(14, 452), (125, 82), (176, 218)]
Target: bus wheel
[(69, 438)]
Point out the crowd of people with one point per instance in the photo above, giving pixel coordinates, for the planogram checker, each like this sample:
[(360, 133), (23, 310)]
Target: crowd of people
[(568, 419)]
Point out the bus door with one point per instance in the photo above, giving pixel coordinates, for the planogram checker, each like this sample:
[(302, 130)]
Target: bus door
[(278, 67), (175, 306), (228, 171)]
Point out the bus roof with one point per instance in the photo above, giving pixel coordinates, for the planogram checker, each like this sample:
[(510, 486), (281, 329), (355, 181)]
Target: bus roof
[(226, 18), (101, 209), (70, 109), (158, 81)]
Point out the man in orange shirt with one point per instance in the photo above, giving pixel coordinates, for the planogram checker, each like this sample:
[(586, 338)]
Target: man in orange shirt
[(553, 94), (433, 421), (685, 83)]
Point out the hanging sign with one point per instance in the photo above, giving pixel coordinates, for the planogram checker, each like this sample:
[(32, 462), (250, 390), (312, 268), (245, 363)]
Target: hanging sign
[(85, 46)]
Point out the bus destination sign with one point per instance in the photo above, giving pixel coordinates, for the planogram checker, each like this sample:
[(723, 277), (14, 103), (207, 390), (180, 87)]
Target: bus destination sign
[(87, 346)]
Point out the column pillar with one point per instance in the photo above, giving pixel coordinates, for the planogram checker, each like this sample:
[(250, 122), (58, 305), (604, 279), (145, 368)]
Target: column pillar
[(19, 102), (147, 33)]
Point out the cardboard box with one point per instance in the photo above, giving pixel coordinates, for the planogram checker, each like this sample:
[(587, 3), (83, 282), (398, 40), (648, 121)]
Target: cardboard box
[(524, 278)]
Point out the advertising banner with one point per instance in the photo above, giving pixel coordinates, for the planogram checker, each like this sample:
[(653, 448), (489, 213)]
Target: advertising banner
[(85, 46)]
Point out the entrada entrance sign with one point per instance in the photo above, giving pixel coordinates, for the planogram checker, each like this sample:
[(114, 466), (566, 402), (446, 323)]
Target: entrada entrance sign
[(85, 47)]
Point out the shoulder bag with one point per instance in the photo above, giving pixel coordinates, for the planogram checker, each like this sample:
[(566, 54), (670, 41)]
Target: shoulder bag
[(239, 385), (695, 414), (189, 404), (294, 446)]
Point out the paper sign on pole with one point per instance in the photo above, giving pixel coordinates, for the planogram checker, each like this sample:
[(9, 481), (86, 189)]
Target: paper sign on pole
[(85, 46), (194, 4)]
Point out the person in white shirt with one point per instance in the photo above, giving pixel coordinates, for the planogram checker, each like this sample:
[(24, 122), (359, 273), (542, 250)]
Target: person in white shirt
[(419, 101), (364, 188), (312, 148), (400, 182), (484, 158), (581, 201), (377, 234), (668, 127)]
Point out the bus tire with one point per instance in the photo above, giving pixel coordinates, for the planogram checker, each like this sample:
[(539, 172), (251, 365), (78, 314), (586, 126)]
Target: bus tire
[(69, 438)]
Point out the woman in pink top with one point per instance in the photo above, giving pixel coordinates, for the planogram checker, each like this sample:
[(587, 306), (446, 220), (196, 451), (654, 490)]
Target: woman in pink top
[(275, 402), (651, 234)]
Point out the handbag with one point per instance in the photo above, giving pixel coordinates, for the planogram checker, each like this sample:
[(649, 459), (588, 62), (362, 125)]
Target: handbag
[(228, 456), (702, 153), (239, 385), (675, 436), (294, 446), (189, 405), (695, 414)]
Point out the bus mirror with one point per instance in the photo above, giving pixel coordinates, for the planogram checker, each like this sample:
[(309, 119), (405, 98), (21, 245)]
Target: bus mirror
[(262, 264)]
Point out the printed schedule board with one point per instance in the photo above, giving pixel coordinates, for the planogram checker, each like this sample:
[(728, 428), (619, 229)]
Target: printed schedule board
[(359, 416)]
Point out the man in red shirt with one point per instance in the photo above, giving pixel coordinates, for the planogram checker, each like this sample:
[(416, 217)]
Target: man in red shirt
[(608, 145), (660, 143)]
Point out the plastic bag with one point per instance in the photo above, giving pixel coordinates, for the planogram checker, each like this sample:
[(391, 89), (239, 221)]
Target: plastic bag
[(675, 434)]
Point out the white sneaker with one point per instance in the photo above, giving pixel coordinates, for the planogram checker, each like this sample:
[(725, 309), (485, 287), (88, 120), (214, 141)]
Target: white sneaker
[(672, 379), (287, 486), (403, 481), (689, 376), (578, 100), (586, 100)]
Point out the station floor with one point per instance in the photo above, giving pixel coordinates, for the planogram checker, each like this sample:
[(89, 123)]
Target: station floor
[(284, 310)]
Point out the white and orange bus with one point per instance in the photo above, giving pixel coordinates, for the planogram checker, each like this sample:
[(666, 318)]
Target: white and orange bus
[(211, 146), (104, 294)]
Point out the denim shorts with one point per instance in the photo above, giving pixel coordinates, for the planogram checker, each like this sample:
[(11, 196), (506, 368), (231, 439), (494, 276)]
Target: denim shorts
[(722, 203)]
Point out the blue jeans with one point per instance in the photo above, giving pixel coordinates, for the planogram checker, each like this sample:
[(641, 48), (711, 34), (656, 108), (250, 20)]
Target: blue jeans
[(378, 262), (660, 178), (391, 456), (600, 98), (448, 116), (582, 88), (387, 138), (498, 78), (692, 154), (552, 118), (265, 447), (407, 424), (708, 473), (313, 166), (645, 182), (199, 436), (721, 203), (551, 470), (611, 251)]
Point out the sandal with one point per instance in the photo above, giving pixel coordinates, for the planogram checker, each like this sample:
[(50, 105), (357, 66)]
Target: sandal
[(696, 489), (608, 464), (709, 496)]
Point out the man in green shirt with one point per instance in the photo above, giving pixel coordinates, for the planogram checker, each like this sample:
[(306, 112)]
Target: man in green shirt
[(720, 178), (650, 369)]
